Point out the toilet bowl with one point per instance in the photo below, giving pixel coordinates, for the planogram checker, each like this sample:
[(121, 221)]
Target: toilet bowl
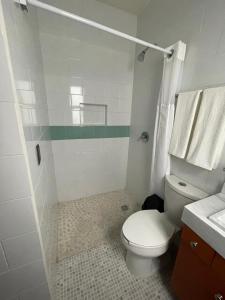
[(146, 234)]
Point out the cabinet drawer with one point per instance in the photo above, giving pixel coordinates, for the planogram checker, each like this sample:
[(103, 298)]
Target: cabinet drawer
[(218, 267), (198, 246), (190, 276), (217, 278)]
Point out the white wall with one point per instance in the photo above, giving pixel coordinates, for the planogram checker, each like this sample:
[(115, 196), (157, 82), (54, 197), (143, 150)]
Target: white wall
[(90, 166), (22, 40), (201, 25), (102, 65), (21, 264)]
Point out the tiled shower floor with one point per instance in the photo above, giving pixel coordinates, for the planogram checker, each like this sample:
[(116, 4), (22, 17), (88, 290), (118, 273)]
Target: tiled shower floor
[(91, 261), (89, 222)]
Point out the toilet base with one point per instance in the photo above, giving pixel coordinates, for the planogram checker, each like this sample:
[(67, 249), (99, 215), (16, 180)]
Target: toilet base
[(141, 266)]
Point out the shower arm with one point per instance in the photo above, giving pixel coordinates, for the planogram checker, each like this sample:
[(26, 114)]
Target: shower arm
[(36, 3)]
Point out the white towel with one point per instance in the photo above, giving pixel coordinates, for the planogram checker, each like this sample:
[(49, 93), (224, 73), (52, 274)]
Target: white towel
[(209, 133), (183, 123)]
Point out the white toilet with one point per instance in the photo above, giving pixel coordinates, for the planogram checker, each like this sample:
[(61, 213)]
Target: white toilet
[(146, 234)]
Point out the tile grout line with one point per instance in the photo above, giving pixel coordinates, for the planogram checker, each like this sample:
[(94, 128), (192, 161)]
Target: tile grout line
[(4, 254)]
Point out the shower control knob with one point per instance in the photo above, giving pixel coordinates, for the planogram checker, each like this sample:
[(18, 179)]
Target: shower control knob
[(218, 297), (144, 137), (193, 244)]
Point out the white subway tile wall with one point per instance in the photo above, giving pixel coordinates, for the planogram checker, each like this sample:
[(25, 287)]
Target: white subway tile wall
[(6, 93), (84, 65), (22, 216), (89, 166), (20, 279), (9, 127), (16, 218), (3, 262), (13, 170), (18, 249), (36, 294)]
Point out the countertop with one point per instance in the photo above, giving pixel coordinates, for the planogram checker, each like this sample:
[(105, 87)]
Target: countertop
[(195, 216)]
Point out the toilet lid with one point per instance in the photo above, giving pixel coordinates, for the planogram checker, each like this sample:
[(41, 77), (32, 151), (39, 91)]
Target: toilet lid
[(148, 228)]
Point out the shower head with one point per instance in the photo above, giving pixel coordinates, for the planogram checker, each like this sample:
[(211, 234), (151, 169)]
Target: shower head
[(141, 56)]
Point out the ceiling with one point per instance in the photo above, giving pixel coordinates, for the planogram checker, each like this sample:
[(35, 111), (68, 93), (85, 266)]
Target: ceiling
[(131, 6)]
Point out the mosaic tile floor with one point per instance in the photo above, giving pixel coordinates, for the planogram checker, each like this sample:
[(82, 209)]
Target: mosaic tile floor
[(96, 268), (90, 222)]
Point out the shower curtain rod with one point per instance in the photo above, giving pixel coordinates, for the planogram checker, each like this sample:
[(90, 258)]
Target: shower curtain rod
[(36, 3)]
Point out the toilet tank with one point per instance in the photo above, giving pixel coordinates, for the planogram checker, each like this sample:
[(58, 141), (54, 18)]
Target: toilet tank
[(179, 193)]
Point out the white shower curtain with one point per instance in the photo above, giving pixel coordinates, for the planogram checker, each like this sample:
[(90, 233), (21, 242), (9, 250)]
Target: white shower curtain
[(172, 72)]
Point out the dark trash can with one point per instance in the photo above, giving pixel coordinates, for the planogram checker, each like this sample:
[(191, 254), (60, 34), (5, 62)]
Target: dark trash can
[(153, 202)]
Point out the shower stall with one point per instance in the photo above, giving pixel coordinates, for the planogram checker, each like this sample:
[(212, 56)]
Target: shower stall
[(69, 82)]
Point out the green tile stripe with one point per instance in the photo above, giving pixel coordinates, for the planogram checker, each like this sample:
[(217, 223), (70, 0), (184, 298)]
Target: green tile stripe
[(88, 132), (46, 133)]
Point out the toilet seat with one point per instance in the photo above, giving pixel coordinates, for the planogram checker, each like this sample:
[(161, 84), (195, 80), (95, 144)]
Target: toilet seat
[(148, 229)]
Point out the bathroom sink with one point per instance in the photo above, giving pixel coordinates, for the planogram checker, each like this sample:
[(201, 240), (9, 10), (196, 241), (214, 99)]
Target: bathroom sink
[(206, 217), (219, 219)]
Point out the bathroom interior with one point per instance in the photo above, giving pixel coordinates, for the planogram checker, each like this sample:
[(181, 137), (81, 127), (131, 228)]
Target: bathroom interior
[(112, 149)]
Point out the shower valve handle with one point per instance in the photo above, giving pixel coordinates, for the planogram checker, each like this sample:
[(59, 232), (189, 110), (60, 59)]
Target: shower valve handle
[(144, 137)]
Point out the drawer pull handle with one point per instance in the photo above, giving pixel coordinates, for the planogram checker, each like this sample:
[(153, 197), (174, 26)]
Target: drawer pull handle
[(218, 297), (193, 244)]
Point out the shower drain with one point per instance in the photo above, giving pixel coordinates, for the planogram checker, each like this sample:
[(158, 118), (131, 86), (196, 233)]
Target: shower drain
[(124, 207)]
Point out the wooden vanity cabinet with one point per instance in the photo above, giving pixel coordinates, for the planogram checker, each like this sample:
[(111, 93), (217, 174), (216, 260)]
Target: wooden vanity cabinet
[(217, 277), (199, 272)]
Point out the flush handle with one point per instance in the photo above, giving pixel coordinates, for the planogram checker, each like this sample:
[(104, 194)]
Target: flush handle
[(193, 244), (218, 297)]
